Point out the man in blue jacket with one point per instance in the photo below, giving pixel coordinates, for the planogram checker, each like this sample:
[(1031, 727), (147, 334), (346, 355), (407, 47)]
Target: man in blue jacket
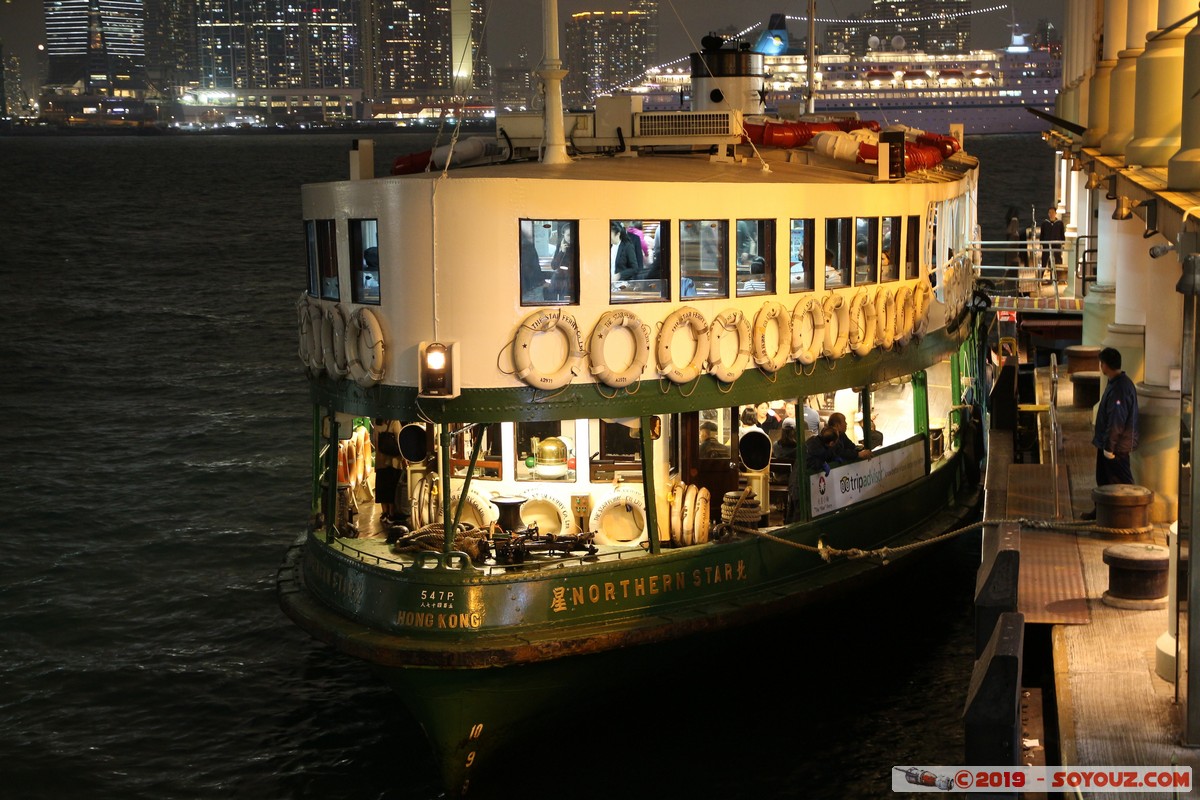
[(1116, 424)]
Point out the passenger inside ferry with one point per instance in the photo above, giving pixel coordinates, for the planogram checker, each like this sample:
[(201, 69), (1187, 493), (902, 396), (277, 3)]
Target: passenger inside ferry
[(846, 450), (710, 442), (533, 282), (820, 451), (785, 449), (623, 258), (812, 417), (832, 276)]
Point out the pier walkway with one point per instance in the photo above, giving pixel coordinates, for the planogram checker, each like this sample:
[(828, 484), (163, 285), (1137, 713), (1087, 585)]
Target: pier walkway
[(1112, 708)]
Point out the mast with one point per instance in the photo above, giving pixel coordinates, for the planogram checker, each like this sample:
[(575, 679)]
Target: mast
[(810, 102), (552, 74)]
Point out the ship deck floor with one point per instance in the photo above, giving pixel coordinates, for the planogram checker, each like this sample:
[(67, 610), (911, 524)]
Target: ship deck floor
[(1112, 707)]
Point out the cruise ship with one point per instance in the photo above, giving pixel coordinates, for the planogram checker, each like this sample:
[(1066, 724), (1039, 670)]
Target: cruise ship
[(986, 91)]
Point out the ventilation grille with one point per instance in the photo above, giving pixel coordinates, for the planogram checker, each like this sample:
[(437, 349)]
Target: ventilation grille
[(687, 123)]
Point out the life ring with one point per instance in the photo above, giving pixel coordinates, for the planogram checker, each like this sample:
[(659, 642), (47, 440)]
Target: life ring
[(316, 355), (808, 330), (343, 465), (477, 511), (333, 341), (837, 337), (703, 516), (862, 323), (695, 322), (885, 318), (677, 493), (620, 519), (904, 316), (641, 348), (424, 503), (350, 448), (729, 320), (922, 300), (548, 511), (687, 522), (542, 321), (305, 325), (364, 348), (783, 346)]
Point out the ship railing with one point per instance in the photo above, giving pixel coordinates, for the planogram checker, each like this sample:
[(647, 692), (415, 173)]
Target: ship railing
[(461, 562), (1016, 270)]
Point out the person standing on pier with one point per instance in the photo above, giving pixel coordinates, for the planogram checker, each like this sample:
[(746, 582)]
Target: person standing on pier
[(1052, 233), (1116, 424)]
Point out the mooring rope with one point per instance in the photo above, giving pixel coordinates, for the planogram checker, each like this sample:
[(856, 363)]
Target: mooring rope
[(828, 553)]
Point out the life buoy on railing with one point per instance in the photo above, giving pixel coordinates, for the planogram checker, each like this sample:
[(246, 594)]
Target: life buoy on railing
[(862, 323), (425, 501), (349, 447), (364, 348), (703, 516), (808, 330), (477, 511), (620, 519), (333, 341), (687, 521), (694, 321), (729, 320), (541, 321), (641, 348), (677, 493), (903, 328), (343, 465), (763, 357), (885, 318), (922, 300), (316, 355), (548, 511), (837, 326), (305, 325)]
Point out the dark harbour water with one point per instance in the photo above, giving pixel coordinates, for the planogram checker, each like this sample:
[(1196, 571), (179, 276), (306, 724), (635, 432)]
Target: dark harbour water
[(153, 470)]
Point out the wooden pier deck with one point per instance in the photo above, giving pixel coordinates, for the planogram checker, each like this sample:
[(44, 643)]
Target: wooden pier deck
[(1112, 708)]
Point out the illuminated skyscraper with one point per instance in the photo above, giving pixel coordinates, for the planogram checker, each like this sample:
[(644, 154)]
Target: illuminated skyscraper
[(604, 50), (98, 42), (250, 44), (425, 49), (931, 26)]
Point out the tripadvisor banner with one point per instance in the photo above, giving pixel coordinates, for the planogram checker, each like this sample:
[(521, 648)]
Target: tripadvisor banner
[(848, 484)]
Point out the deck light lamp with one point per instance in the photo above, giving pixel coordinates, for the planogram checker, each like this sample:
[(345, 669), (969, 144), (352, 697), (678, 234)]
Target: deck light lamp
[(1093, 181), (1111, 194), (437, 373)]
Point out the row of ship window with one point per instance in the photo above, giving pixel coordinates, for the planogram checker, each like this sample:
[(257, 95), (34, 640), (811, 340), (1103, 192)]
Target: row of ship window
[(705, 258)]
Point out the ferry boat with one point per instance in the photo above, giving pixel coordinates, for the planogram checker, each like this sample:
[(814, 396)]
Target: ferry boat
[(553, 346), (986, 91)]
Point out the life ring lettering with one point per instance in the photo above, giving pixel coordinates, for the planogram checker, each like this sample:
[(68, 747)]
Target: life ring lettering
[(609, 321), (543, 321), (694, 321)]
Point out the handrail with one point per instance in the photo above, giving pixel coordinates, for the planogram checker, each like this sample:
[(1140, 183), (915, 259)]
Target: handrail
[(1055, 432)]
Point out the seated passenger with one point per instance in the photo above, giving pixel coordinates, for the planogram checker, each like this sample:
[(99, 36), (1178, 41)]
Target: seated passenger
[(785, 449), (820, 452), (710, 445), (845, 450)]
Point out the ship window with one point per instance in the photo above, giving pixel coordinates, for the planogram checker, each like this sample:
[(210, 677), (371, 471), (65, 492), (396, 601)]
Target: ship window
[(364, 261), (703, 258), (839, 252), (889, 251), (800, 254), (549, 262), (912, 249), (322, 258), (639, 260), (545, 450), (489, 464), (866, 250), (755, 242)]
